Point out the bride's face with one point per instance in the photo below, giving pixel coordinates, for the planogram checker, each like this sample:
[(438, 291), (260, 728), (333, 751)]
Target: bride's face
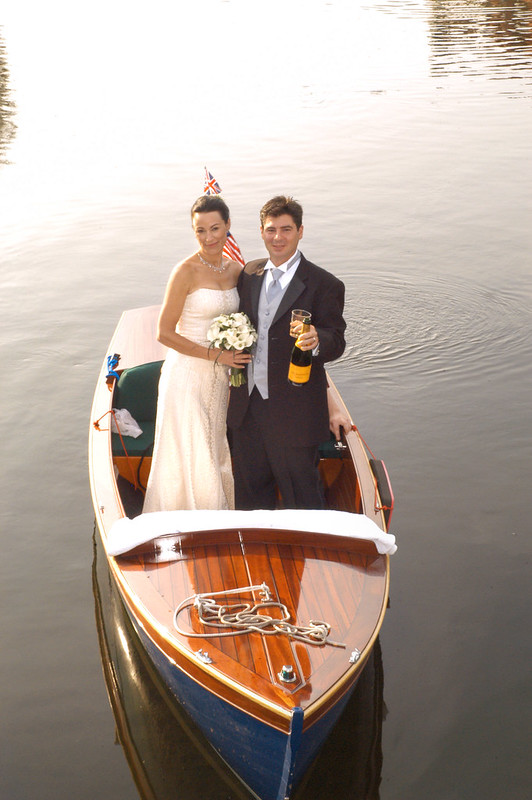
[(210, 231)]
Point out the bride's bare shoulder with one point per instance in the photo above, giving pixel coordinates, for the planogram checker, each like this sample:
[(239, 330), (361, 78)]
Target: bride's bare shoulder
[(187, 268), (183, 275)]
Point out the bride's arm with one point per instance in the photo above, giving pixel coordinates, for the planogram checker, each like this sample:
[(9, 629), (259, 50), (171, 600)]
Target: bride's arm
[(180, 284)]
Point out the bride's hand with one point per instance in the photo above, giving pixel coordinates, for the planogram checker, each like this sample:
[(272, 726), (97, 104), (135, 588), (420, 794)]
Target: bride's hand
[(234, 358)]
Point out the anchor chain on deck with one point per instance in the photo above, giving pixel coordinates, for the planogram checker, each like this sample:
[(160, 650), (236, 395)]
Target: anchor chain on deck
[(242, 618)]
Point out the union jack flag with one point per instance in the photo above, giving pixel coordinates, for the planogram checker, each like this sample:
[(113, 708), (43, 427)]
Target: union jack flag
[(211, 185), (231, 248)]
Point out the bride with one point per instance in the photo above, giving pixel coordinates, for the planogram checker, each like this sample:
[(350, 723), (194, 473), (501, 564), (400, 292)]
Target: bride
[(191, 464)]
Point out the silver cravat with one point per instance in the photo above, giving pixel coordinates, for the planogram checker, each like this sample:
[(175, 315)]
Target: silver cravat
[(275, 287)]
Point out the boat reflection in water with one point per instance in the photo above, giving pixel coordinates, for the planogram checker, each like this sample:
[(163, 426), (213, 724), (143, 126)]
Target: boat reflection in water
[(169, 757)]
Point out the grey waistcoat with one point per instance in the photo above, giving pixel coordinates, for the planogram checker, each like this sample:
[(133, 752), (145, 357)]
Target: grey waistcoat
[(258, 373)]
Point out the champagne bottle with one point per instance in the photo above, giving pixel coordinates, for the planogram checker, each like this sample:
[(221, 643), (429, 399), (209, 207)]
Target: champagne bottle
[(300, 360)]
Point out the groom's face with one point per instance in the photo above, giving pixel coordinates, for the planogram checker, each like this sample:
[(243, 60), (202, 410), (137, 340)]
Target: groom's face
[(281, 237)]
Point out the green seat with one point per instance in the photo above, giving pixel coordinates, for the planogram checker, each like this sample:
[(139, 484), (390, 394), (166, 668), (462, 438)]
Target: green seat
[(136, 390), (136, 446)]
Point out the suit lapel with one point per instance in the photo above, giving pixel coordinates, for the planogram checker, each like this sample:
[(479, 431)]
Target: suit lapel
[(255, 270), (295, 288), (255, 294)]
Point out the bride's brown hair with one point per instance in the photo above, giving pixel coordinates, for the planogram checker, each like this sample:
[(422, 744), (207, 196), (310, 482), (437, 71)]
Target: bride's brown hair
[(210, 202)]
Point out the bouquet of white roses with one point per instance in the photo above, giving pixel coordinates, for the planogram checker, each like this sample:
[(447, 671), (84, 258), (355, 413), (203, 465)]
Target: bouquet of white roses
[(232, 332)]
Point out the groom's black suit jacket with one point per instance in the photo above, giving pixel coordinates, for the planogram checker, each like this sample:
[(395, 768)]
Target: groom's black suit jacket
[(299, 413)]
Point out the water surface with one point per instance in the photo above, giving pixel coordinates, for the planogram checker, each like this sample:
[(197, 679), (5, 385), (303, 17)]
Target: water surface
[(404, 130)]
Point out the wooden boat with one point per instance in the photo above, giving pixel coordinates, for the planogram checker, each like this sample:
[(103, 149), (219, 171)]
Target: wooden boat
[(169, 756), (258, 623)]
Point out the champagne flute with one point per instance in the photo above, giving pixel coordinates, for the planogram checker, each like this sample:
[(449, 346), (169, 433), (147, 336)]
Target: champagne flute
[(299, 316)]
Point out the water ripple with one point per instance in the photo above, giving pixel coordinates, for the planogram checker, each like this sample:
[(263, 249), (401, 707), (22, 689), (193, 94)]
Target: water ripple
[(482, 37), (432, 326)]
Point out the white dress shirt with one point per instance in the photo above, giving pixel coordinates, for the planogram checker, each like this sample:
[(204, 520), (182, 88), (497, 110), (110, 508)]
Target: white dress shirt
[(288, 268)]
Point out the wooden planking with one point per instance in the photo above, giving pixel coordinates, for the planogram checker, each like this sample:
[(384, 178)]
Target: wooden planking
[(214, 568), (223, 677), (182, 543), (284, 560), (276, 648), (359, 633), (226, 577), (288, 569), (304, 609), (333, 662), (210, 577), (337, 581), (247, 646), (343, 493), (313, 582)]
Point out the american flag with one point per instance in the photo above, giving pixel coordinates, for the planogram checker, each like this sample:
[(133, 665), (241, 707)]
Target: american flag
[(231, 248)]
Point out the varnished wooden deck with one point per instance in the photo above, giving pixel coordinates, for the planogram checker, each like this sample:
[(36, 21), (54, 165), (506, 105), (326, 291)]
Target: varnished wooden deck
[(314, 579)]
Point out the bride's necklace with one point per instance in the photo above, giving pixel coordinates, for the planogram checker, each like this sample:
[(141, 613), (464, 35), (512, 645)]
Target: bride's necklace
[(223, 266)]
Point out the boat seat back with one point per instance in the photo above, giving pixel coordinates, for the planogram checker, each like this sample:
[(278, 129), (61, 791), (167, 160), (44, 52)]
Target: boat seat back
[(137, 390)]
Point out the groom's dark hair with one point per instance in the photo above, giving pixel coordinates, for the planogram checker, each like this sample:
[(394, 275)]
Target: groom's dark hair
[(210, 202), (280, 205)]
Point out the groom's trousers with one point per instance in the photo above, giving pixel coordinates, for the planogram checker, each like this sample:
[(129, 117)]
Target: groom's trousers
[(263, 461)]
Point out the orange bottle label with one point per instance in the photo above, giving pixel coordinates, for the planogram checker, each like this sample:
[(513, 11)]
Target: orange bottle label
[(298, 374)]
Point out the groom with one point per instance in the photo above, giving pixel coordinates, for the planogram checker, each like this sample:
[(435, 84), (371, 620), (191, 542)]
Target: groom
[(276, 428)]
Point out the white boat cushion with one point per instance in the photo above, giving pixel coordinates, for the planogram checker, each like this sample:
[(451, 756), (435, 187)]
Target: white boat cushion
[(129, 533)]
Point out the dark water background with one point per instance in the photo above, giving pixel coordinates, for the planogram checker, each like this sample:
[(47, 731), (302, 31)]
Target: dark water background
[(404, 128)]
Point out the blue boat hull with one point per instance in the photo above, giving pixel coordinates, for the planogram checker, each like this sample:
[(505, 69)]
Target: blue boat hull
[(269, 762)]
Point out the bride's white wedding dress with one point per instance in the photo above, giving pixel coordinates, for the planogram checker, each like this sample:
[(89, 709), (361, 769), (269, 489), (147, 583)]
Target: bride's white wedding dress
[(191, 465)]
